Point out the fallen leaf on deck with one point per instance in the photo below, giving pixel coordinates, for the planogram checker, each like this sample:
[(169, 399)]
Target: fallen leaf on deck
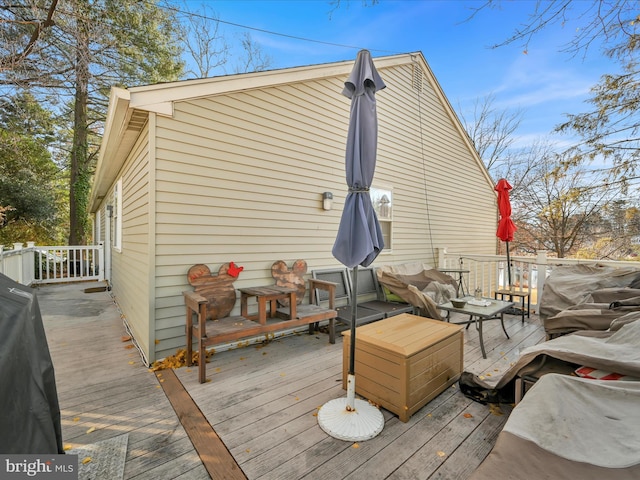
[(86, 460), (131, 363), (179, 359), (76, 419), (355, 445), (467, 415), (441, 454), (125, 338), (494, 409), (157, 341), (67, 447), (92, 429), (128, 346)]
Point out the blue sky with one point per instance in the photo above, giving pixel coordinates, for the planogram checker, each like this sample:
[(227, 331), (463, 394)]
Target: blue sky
[(543, 82)]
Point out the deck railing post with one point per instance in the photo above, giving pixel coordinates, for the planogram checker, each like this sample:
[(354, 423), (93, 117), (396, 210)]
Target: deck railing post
[(101, 261), (541, 262)]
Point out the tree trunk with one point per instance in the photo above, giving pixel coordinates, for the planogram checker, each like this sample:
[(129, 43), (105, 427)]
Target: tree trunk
[(79, 175)]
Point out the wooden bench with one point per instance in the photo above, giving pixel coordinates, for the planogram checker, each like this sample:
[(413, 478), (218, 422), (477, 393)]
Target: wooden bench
[(213, 325)]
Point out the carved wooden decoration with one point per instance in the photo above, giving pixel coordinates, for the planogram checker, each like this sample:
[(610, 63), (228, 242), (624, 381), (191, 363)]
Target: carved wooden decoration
[(217, 289), (293, 278)]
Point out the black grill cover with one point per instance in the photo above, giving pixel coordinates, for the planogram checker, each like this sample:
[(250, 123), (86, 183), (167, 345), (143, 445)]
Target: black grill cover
[(29, 410)]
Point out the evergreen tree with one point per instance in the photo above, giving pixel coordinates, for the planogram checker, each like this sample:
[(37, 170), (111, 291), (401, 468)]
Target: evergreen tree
[(88, 47)]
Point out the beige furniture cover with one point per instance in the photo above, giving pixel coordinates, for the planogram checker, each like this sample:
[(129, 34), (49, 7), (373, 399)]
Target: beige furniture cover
[(568, 427), (578, 297), (572, 285), (420, 285)]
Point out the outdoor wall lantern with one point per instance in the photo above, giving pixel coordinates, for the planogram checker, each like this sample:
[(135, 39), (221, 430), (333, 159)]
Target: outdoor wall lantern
[(327, 200)]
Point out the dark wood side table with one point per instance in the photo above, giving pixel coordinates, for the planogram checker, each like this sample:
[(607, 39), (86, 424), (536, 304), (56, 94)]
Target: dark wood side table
[(270, 294), (518, 294)]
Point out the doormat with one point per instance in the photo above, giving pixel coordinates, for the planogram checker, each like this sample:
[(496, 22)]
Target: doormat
[(102, 460)]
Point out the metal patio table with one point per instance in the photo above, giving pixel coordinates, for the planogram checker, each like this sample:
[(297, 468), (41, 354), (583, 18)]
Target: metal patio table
[(479, 314)]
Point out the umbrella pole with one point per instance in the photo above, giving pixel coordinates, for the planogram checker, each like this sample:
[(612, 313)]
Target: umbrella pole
[(351, 419), (351, 378), (508, 265)]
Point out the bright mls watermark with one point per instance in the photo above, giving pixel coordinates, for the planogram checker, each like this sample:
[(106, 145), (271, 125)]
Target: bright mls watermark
[(45, 467)]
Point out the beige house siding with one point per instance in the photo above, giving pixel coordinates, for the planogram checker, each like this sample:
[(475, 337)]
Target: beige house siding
[(240, 176), (130, 266), (237, 175), (442, 195)]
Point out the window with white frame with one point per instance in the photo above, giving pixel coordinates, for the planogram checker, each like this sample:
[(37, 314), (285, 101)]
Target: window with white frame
[(382, 199), (117, 216)]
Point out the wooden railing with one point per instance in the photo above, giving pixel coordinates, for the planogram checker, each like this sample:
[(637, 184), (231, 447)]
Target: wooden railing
[(52, 264)]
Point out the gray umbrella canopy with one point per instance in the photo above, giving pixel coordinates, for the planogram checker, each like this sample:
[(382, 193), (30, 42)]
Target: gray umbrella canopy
[(359, 239)]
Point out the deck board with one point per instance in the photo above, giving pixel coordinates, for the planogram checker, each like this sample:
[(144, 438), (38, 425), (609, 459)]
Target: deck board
[(103, 385), (262, 402)]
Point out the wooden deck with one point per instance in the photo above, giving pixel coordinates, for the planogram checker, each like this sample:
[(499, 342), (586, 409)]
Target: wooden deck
[(261, 402)]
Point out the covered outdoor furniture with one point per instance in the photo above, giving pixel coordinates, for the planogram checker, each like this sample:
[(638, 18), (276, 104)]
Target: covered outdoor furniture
[(587, 316), (583, 287), (616, 350), (569, 427), (420, 285)]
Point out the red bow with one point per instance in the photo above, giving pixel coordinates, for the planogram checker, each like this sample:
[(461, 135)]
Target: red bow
[(233, 270)]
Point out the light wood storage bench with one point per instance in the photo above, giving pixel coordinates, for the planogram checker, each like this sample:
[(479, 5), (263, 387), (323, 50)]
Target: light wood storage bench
[(403, 362)]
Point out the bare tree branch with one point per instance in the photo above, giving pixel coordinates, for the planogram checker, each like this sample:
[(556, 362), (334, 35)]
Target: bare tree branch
[(12, 60)]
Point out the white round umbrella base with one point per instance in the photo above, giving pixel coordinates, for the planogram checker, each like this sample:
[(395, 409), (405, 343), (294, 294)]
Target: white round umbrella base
[(363, 423)]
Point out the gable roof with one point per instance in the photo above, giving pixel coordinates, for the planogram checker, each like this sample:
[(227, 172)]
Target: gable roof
[(129, 108)]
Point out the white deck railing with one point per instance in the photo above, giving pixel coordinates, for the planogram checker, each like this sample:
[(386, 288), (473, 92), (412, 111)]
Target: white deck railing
[(52, 264), (528, 274), (56, 264)]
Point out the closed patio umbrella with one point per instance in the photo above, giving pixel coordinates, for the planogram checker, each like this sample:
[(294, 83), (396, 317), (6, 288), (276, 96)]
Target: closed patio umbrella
[(358, 241), (506, 227)]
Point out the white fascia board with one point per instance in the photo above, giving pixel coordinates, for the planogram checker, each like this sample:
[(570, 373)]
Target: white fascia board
[(118, 116), (159, 98)]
